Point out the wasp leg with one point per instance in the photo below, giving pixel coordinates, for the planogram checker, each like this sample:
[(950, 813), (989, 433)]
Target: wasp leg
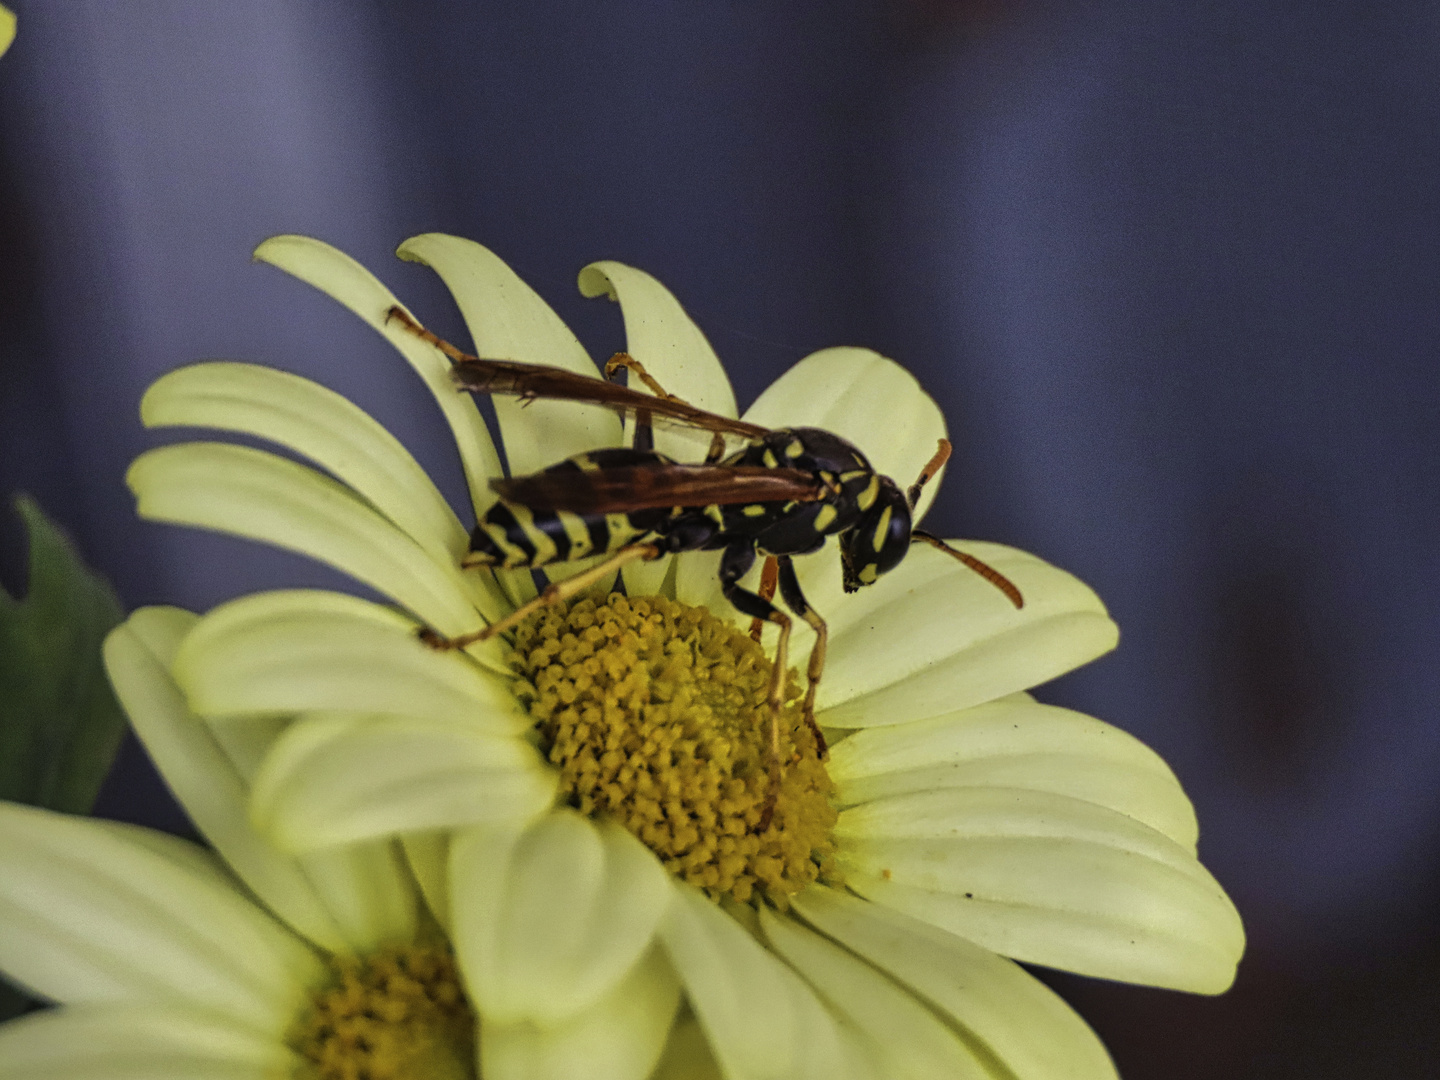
[(398, 314), (984, 569), (767, 592), (738, 559), (795, 600), (717, 449), (552, 594), (644, 435)]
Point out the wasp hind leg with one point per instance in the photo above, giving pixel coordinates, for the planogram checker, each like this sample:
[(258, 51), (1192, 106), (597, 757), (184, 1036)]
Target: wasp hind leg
[(644, 435), (553, 594), (795, 601)]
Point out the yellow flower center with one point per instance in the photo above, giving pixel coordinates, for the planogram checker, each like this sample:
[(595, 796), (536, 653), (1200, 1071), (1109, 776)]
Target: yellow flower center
[(396, 1015), (655, 713)]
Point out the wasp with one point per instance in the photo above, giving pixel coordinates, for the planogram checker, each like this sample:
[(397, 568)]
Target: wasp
[(783, 493)]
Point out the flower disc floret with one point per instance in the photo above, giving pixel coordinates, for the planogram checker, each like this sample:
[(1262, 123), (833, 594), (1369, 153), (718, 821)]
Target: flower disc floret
[(393, 1015), (655, 713)]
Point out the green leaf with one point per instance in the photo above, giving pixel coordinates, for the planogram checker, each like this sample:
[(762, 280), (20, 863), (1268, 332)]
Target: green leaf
[(60, 724)]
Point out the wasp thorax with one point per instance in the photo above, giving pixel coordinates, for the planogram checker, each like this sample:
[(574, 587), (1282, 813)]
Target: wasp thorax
[(655, 713), (398, 1014)]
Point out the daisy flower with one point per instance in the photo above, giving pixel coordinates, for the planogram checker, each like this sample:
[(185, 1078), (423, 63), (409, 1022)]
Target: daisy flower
[(167, 959), (582, 803)]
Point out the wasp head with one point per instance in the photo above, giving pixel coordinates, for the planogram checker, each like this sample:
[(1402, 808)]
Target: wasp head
[(879, 540)]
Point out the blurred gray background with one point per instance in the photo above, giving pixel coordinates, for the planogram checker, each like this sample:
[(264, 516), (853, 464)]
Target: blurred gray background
[(1169, 268)]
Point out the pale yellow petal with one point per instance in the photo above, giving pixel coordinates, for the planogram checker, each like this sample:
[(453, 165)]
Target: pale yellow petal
[(301, 650), (86, 915), (137, 656), (619, 1037), (662, 337), (368, 890), (549, 917), (998, 1007), (127, 1041), (906, 1039), (260, 496), (1016, 742), (337, 779), (761, 1020), (1046, 879), (508, 321), (932, 636), (337, 275)]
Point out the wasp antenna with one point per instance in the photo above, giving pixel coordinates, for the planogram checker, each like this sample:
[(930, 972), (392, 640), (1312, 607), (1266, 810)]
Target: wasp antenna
[(984, 569), (936, 463)]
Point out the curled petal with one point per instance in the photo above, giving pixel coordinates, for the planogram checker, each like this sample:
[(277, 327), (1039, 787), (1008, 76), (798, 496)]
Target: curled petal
[(1002, 1011), (662, 337), (418, 775), (1016, 742), (508, 321), (303, 650), (88, 915), (932, 636), (337, 275), (761, 1020), (549, 918), (260, 496), (1046, 879), (137, 1042), (619, 1037)]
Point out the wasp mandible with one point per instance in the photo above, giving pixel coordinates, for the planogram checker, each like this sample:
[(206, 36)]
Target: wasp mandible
[(782, 494)]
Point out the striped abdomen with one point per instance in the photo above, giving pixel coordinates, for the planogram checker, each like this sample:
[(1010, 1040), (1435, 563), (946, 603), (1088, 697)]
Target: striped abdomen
[(514, 535)]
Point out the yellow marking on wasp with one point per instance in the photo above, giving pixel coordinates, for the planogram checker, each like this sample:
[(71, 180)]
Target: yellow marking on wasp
[(754, 510), (619, 530), (794, 448), (824, 517), (513, 554), (867, 497), (715, 514), (578, 535), (545, 548), (869, 574), (770, 460), (853, 474), (586, 463), (882, 529)]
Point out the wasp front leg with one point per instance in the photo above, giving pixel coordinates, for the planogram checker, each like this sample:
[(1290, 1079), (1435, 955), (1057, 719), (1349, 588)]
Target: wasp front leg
[(734, 563), (795, 600)]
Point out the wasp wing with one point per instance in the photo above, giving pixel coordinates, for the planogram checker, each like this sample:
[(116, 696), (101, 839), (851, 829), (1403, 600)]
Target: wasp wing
[(534, 381), (620, 489)]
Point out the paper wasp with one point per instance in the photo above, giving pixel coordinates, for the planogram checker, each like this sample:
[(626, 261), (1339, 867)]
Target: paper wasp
[(782, 494)]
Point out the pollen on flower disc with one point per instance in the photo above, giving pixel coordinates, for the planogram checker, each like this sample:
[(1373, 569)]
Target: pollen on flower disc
[(395, 1015), (655, 713)]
